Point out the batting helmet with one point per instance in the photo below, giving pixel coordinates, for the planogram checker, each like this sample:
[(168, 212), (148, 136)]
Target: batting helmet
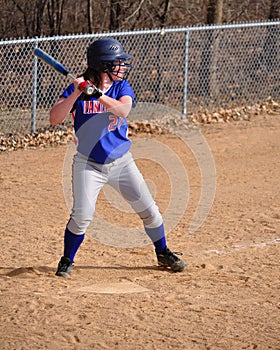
[(103, 53)]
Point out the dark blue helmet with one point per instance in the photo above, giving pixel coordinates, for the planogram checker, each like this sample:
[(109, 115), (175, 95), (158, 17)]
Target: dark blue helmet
[(103, 55)]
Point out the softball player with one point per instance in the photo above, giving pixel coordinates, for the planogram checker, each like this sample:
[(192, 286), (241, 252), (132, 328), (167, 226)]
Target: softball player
[(103, 150)]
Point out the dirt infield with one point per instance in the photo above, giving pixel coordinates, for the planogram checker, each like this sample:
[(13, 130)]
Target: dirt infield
[(117, 298)]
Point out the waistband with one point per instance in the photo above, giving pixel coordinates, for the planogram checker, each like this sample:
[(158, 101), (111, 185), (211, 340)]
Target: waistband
[(110, 161)]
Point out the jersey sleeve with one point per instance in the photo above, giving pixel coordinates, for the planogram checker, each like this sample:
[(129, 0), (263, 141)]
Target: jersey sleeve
[(68, 91), (126, 90)]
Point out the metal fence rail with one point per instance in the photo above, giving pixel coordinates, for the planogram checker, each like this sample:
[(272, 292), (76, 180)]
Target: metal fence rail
[(184, 68)]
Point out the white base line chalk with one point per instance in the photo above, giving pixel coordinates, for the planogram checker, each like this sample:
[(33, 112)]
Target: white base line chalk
[(243, 247)]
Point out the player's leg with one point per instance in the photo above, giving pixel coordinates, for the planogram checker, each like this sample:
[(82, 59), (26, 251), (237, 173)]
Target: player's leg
[(128, 180), (87, 182)]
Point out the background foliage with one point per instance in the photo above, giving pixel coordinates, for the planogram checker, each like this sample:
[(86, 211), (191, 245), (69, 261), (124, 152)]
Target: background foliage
[(30, 18)]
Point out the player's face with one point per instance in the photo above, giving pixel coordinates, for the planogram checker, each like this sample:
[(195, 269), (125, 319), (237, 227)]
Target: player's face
[(121, 70)]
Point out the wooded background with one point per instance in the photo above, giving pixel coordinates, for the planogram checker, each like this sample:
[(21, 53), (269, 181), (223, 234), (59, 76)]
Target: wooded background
[(31, 18)]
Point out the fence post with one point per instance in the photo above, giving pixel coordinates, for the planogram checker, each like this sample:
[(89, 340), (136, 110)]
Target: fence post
[(34, 90), (185, 92)]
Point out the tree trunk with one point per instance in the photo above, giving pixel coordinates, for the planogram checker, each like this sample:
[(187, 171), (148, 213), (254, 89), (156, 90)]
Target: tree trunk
[(40, 8), (272, 36), (274, 9), (89, 15), (214, 12), (163, 16), (55, 15), (115, 11), (158, 96), (59, 16), (208, 66)]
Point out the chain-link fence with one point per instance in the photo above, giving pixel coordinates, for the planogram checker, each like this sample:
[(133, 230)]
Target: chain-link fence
[(184, 68)]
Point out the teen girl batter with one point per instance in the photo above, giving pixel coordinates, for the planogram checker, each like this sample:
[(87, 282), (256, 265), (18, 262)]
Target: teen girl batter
[(103, 150)]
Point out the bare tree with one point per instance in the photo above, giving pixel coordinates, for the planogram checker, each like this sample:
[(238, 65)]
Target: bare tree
[(162, 17), (55, 15), (209, 55), (214, 12), (134, 18), (21, 7), (115, 13), (40, 9), (89, 14), (32, 13), (269, 53), (274, 12)]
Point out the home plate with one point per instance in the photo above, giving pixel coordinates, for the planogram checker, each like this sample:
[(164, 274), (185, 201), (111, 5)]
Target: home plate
[(114, 288)]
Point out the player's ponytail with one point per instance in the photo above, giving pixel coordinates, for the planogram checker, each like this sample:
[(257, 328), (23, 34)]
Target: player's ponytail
[(92, 75)]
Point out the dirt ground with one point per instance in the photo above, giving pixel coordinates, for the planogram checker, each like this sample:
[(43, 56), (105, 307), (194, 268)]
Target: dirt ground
[(118, 298)]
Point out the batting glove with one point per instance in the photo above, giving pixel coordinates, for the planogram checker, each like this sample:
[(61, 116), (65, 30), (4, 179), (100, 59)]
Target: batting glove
[(89, 89)]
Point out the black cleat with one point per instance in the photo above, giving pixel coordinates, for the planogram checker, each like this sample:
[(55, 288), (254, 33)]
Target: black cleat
[(169, 259), (65, 267)]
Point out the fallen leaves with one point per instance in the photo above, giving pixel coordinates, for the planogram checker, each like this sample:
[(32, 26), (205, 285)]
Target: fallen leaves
[(62, 134)]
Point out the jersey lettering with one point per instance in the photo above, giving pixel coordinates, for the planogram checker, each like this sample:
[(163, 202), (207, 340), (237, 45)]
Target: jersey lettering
[(91, 107)]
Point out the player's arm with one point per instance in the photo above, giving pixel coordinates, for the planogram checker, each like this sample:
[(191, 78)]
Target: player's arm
[(120, 108), (63, 106)]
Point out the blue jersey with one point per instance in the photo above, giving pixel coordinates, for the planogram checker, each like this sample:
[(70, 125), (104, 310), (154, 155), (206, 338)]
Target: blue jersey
[(101, 135)]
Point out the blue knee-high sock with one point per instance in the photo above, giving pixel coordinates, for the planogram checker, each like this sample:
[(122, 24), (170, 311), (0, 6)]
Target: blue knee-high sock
[(157, 236), (72, 243)]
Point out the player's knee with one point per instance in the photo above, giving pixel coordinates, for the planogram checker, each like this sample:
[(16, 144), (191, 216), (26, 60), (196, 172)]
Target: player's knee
[(151, 217), (78, 226)]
